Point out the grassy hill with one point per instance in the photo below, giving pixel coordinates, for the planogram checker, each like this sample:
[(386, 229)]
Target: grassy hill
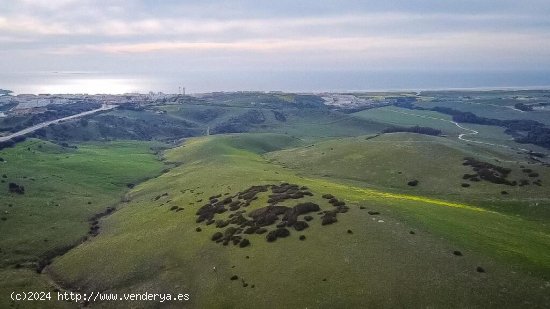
[(299, 116), (63, 188), (390, 161), (288, 203), (401, 254)]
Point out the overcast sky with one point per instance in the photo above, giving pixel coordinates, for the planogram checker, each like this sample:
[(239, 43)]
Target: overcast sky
[(125, 45)]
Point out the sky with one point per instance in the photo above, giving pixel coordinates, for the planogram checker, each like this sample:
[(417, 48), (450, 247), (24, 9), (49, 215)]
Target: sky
[(116, 46)]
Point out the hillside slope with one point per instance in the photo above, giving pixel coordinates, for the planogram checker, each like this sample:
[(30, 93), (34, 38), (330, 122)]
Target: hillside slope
[(398, 255)]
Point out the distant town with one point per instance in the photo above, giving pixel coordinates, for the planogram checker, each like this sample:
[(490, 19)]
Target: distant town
[(24, 104)]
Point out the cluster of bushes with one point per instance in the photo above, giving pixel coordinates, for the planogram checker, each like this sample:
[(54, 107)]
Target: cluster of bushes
[(15, 188), (279, 116), (406, 102), (205, 115), (259, 219), (11, 142), (415, 129), (538, 136), (523, 107), (488, 172), (108, 126), (240, 123), (47, 258), (286, 192)]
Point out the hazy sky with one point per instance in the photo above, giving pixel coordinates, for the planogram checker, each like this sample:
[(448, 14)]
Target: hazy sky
[(124, 45)]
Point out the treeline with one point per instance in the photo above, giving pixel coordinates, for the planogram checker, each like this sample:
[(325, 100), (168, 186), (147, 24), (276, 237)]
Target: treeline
[(415, 129)]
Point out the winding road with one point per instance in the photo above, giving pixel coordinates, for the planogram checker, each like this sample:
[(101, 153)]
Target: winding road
[(460, 136), (28, 130)]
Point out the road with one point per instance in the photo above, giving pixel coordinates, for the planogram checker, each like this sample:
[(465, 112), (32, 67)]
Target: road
[(28, 130), (471, 132)]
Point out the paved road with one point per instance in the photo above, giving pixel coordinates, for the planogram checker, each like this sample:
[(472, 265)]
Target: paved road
[(28, 130)]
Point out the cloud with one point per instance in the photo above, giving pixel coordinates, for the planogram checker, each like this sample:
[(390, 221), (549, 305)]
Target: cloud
[(366, 23), (100, 35)]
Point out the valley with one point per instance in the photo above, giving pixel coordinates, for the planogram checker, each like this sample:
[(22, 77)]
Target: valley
[(240, 198)]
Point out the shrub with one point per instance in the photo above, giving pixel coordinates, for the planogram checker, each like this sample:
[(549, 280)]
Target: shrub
[(300, 225), (328, 218), (413, 183), (282, 232), (15, 188), (216, 236), (271, 236), (304, 208), (244, 243), (250, 230), (278, 233), (415, 129)]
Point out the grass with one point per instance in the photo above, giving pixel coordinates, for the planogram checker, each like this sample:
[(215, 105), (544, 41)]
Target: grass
[(64, 187), (404, 117), (306, 123), (390, 161), (146, 247), (496, 105)]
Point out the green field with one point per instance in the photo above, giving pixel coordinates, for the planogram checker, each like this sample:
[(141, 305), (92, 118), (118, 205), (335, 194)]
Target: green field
[(497, 104), (151, 248), (64, 188), (416, 230)]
